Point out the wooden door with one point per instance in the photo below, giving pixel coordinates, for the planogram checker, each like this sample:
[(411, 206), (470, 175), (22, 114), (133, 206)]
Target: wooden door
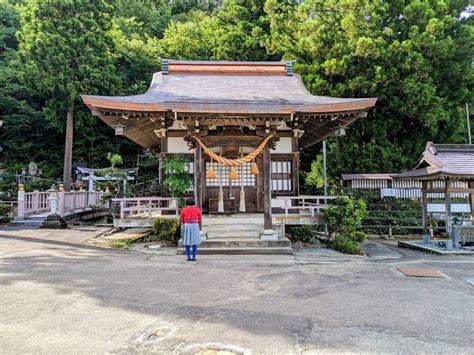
[(252, 186)]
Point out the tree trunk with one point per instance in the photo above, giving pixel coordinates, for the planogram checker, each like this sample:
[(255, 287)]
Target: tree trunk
[(68, 148)]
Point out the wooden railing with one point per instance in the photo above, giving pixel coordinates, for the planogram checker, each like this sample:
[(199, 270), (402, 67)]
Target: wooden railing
[(145, 206), (312, 204), (36, 202)]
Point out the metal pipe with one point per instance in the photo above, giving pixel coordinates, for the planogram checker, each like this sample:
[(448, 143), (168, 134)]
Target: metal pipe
[(468, 124)]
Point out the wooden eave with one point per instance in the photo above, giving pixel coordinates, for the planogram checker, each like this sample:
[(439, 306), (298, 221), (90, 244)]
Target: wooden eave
[(103, 104)]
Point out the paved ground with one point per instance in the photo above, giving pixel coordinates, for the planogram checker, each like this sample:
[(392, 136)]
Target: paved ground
[(60, 296)]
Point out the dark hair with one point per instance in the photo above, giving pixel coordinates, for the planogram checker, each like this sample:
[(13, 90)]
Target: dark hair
[(190, 201)]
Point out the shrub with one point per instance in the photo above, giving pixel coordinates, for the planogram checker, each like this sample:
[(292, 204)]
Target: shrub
[(304, 234), (345, 216), (344, 221), (346, 245), (5, 213), (166, 229), (358, 236)]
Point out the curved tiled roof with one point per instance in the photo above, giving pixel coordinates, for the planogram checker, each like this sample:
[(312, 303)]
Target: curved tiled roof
[(227, 90), (452, 160)]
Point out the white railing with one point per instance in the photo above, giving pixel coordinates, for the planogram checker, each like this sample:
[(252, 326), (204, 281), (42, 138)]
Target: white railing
[(312, 204), (145, 206), (35, 202)]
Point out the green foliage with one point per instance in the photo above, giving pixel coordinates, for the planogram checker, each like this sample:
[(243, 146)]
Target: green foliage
[(345, 216), (6, 213), (304, 233), (178, 180), (315, 177), (344, 220), (122, 243), (415, 56), (345, 245), (166, 229), (114, 159)]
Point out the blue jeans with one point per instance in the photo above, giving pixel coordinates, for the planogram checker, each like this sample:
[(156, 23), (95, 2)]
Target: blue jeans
[(188, 251)]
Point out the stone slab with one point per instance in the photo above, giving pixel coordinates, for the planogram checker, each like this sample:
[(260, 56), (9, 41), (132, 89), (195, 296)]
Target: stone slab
[(415, 272)]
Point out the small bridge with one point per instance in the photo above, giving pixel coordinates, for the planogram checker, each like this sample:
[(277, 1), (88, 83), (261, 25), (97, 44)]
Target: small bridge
[(34, 207)]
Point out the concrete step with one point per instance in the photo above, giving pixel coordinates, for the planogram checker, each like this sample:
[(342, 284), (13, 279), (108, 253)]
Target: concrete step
[(28, 221), (242, 251), (226, 221), (230, 233), (244, 242)]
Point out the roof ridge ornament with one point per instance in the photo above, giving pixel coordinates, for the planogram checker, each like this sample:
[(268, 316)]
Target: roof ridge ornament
[(289, 67), (165, 66)]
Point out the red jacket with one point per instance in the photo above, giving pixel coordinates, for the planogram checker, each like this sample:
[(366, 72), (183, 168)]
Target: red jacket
[(191, 214)]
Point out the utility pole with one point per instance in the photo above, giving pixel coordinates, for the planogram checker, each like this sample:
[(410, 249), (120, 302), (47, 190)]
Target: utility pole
[(468, 124), (325, 181)]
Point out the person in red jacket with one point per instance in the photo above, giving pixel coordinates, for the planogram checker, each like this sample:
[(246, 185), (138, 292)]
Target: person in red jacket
[(191, 218)]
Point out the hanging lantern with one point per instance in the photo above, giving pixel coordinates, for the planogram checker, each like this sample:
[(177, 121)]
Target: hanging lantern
[(233, 174), (119, 129), (254, 169), (211, 173)]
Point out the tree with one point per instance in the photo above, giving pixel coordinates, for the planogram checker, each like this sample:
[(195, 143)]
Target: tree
[(66, 51), (414, 55), (233, 31)]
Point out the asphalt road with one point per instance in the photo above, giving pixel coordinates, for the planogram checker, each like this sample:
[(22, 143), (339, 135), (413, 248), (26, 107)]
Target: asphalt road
[(60, 296)]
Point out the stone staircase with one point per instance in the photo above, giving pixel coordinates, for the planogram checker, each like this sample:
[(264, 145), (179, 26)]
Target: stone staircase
[(238, 234)]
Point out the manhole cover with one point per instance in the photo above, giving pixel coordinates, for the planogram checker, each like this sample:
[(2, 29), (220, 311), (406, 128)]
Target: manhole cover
[(413, 272)]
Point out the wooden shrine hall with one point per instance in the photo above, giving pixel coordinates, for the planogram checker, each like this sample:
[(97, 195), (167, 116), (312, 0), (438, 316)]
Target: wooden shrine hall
[(242, 123)]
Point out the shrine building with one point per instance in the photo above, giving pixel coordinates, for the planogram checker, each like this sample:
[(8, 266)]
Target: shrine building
[(243, 124)]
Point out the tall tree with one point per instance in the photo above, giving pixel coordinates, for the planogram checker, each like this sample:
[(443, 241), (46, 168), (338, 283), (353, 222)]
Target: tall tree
[(415, 55), (66, 50)]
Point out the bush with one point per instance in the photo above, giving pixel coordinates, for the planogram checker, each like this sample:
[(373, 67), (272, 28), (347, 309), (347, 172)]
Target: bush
[(346, 245), (344, 223), (304, 234), (6, 212), (358, 236), (166, 229)]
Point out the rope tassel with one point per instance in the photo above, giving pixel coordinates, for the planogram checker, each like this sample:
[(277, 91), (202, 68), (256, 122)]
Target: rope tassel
[(233, 174), (254, 169), (211, 173)]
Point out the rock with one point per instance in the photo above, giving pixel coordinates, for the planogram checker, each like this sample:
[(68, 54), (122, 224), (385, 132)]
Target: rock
[(54, 221)]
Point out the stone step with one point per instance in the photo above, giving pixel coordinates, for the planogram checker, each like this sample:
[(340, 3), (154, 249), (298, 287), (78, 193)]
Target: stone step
[(233, 233), (244, 242), (242, 251)]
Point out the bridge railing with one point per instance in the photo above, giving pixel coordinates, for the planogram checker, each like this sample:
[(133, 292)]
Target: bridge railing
[(63, 202), (145, 206), (305, 203)]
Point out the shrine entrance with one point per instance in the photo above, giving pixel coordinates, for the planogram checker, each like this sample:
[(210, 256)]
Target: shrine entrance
[(246, 190)]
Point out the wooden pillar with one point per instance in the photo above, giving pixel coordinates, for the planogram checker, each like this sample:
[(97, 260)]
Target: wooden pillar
[(267, 194), (161, 173), (471, 199), (295, 164), (198, 175), (424, 207), (447, 202)]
